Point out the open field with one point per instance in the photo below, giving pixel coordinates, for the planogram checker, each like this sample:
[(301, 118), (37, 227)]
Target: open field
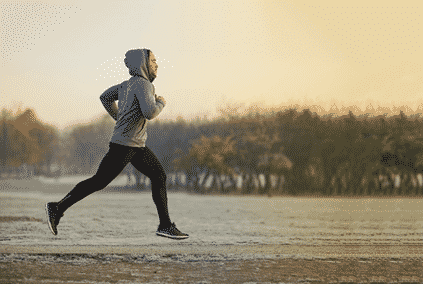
[(109, 238)]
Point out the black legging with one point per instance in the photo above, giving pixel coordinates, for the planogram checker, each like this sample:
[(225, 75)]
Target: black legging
[(118, 156)]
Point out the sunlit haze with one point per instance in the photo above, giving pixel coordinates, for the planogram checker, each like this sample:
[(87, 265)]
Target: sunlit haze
[(58, 57)]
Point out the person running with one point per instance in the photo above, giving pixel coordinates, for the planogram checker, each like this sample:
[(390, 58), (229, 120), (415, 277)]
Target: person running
[(137, 104)]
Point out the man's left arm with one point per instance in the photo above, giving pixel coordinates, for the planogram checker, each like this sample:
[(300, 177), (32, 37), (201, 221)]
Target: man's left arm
[(108, 99)]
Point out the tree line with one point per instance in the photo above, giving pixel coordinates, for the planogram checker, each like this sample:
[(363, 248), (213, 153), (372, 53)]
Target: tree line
[(280, 152), (24, 140)]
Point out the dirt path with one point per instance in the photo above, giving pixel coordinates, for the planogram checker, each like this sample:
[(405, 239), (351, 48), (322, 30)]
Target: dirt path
[(71, 268), (212, 264)]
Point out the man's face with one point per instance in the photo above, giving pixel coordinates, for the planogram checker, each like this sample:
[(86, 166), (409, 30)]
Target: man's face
[(152, 65)]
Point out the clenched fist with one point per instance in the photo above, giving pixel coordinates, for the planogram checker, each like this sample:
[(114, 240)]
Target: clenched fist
[(160, 98)]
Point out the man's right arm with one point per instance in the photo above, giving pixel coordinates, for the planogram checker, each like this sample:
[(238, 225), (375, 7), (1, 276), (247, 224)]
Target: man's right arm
[(151, 105), (108, 99)]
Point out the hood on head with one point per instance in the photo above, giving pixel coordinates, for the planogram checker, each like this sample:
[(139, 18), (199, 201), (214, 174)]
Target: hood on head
[(137, 63)]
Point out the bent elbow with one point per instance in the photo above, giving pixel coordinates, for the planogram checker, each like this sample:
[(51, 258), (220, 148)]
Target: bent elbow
[(107, 97), (103, 98)]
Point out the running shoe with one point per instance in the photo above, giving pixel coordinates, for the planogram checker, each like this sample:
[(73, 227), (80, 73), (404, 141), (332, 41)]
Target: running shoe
[(53, 217), (171, 232)]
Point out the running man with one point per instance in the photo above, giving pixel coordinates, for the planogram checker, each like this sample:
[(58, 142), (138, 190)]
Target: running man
[(137, 104)]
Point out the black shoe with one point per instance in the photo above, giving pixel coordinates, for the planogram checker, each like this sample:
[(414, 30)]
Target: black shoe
[(53, 217), (171, 232)]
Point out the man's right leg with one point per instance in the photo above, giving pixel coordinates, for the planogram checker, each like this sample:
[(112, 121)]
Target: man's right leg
[(112, 164), (110, 167)]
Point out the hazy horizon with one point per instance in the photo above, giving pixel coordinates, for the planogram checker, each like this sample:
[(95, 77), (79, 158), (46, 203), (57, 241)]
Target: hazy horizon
[(59, 56)]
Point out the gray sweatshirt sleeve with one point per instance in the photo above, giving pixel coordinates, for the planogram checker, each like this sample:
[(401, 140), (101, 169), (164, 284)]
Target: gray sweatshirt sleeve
[(150, 107), (108, 99)]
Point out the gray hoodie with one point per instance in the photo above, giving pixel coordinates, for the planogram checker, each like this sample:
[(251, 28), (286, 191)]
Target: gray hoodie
[(137, 101)]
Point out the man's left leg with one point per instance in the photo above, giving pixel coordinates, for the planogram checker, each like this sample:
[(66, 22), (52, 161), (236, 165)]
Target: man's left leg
[(147, 163)]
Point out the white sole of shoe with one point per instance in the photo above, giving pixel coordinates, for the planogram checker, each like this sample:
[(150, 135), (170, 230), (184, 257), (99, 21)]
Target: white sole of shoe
[(48, 220), (170, 236)]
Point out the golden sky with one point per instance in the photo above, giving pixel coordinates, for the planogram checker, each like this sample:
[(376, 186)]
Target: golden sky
[(59, 56)]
